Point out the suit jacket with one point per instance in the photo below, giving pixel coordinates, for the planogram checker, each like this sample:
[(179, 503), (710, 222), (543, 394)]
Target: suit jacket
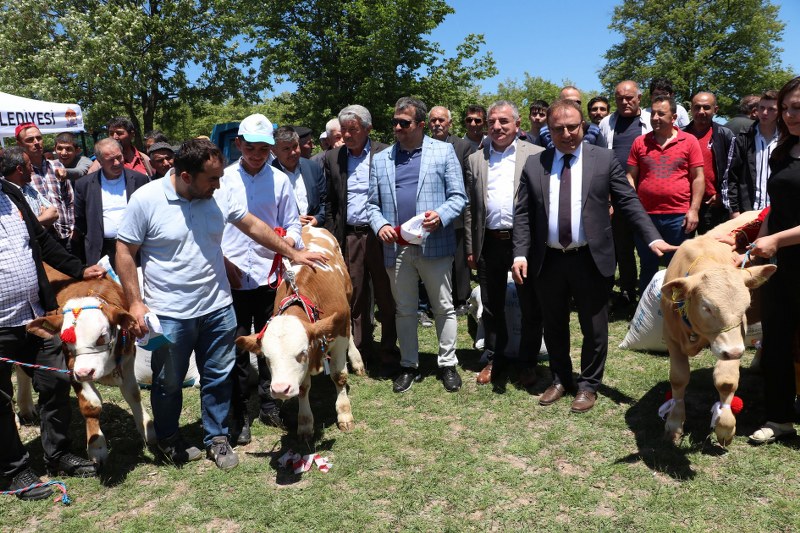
[(603, 176), (316, 187), (89, 209), (477, 181), (742, 174), (440, 188), (43, 248), (336, 175), (463, 150)]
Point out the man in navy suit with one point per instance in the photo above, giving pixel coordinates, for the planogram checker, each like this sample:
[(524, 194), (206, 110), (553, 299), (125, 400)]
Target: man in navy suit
[(307, 179), (417, 176), (100, 201), (562, 238)]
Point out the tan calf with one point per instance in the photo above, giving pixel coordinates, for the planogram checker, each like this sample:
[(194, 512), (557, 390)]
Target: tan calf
[(298, 345), (92, 322), (704, 301)]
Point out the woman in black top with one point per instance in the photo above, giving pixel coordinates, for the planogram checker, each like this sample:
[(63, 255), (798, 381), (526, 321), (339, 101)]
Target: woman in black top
[(780, 238)]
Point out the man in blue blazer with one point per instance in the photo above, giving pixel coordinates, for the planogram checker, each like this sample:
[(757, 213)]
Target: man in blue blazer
[(311, 189), (418, 176), (100, 201)]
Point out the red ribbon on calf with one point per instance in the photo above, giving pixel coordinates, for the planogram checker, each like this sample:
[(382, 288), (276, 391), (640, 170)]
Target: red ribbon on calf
[(277, 262)]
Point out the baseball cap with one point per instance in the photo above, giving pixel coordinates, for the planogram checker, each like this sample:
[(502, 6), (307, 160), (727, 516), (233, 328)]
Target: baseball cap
[(302, 131), (160, 146), (256, 129), (24, 126), (323, 135), (411, 231)]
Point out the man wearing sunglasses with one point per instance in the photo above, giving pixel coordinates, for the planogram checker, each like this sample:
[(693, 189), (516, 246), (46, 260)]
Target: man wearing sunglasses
[(418, 176), (475, 123)]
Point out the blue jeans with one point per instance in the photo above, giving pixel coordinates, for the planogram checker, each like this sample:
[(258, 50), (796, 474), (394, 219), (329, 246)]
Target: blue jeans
[(671, 229), (211, 338)]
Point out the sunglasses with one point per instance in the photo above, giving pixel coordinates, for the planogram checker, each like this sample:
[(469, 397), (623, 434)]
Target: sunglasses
[(403, 123), (470, 120)]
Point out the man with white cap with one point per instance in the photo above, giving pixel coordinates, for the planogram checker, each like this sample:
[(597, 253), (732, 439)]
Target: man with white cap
[(268, 194)]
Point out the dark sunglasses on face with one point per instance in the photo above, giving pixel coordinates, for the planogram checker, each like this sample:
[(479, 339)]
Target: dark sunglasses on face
[(477, 121), (403, 123)]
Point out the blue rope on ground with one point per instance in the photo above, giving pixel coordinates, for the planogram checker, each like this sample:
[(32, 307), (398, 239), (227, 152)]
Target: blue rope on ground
[(29, 365), (60, 485)]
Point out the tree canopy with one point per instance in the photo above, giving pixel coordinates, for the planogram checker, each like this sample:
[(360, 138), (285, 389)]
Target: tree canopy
[(728, 47)]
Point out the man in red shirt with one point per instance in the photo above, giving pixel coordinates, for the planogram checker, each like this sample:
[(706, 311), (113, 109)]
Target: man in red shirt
[(666, 168), (715, 144), (121, 130)]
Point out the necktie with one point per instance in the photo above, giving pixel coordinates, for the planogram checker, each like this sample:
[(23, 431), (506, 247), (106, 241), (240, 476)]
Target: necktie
[(564, 207)]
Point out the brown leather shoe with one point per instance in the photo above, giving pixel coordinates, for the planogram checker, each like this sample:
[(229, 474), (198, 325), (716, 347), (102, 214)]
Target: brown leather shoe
[(583, 401), (553, 393), (485, 375)]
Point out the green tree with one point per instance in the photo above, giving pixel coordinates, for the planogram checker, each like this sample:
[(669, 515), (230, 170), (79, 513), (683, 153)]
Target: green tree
[(729, 47), (132, 57), (369, 52)]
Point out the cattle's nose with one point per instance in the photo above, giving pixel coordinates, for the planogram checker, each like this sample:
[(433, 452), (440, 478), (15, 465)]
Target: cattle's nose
[(732, 354), (84, 374), (280, 389)]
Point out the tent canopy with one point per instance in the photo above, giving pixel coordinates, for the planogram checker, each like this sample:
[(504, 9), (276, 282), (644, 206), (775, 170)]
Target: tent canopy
[(50, 117)]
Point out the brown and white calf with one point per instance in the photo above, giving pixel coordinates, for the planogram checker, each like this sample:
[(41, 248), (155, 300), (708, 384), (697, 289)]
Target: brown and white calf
[(92, 324), (704, 301), (296, 344)]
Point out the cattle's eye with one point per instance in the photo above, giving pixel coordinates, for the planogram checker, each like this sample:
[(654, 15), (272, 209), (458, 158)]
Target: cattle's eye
[(302, 357), (101, 341)]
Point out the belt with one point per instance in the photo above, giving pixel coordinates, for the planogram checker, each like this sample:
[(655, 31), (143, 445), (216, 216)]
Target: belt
[(569, 250), (109, 241), (364, 228), (500, 234)]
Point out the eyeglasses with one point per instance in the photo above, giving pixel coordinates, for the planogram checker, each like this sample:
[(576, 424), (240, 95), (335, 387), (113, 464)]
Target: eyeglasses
[(403, 123), (476, 120), (567, 128)]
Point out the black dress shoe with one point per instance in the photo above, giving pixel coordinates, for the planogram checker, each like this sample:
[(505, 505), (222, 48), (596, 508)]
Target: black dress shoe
[(240, 433), (271, 417), (25, 479), (450, 379), (406, 378), (70, 464)]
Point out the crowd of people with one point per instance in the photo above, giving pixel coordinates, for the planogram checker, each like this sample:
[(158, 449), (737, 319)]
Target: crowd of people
[(560, 206)]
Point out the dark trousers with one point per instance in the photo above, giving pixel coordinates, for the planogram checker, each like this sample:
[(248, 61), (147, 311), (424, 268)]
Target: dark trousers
[(780, 321), (253, 308), (626, 257), (461, 271), (53, 389), (493, 266), (110, 249), (574, 274), (364, 259)]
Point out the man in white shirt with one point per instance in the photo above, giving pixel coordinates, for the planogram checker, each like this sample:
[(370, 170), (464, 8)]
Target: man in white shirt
[(307, 179), (251, 268)]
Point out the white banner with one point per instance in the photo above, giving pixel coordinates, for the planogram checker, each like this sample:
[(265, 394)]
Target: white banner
[(50, 117)]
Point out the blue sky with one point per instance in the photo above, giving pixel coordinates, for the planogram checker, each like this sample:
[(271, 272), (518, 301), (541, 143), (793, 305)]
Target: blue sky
[(524, 36)]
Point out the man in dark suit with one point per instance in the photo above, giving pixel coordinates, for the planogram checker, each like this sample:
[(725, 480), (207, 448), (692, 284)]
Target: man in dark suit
[(100, 201), (306, 177), (347, 173), (439, 121), (562, 238)]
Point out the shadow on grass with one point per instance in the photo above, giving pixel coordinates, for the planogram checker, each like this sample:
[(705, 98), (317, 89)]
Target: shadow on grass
[(659, 454)]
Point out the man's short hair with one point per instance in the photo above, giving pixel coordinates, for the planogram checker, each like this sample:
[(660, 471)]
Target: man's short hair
[(749, 103), (101, 145), (121, 122), (449, 114), (475, 108), (634, 83), (67, 138), (194, 153), (332, 124), (420, 109), (286, 134), (771, 94), (714, 96), (673, 106), (562, 104), (505, 103), (358, 113), (157, 136), (13, 157), (661, 84), (538, 105), (598, 99)]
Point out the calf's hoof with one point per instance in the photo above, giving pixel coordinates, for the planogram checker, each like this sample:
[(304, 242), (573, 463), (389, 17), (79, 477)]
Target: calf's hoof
[(346, 426)]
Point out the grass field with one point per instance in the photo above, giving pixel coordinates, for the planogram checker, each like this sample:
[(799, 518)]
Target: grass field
[(477, 460)]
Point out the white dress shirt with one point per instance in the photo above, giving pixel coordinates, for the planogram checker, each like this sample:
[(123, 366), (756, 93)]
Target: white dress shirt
[(299, 187), (114, 199), (500, 188), (578, 235)]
